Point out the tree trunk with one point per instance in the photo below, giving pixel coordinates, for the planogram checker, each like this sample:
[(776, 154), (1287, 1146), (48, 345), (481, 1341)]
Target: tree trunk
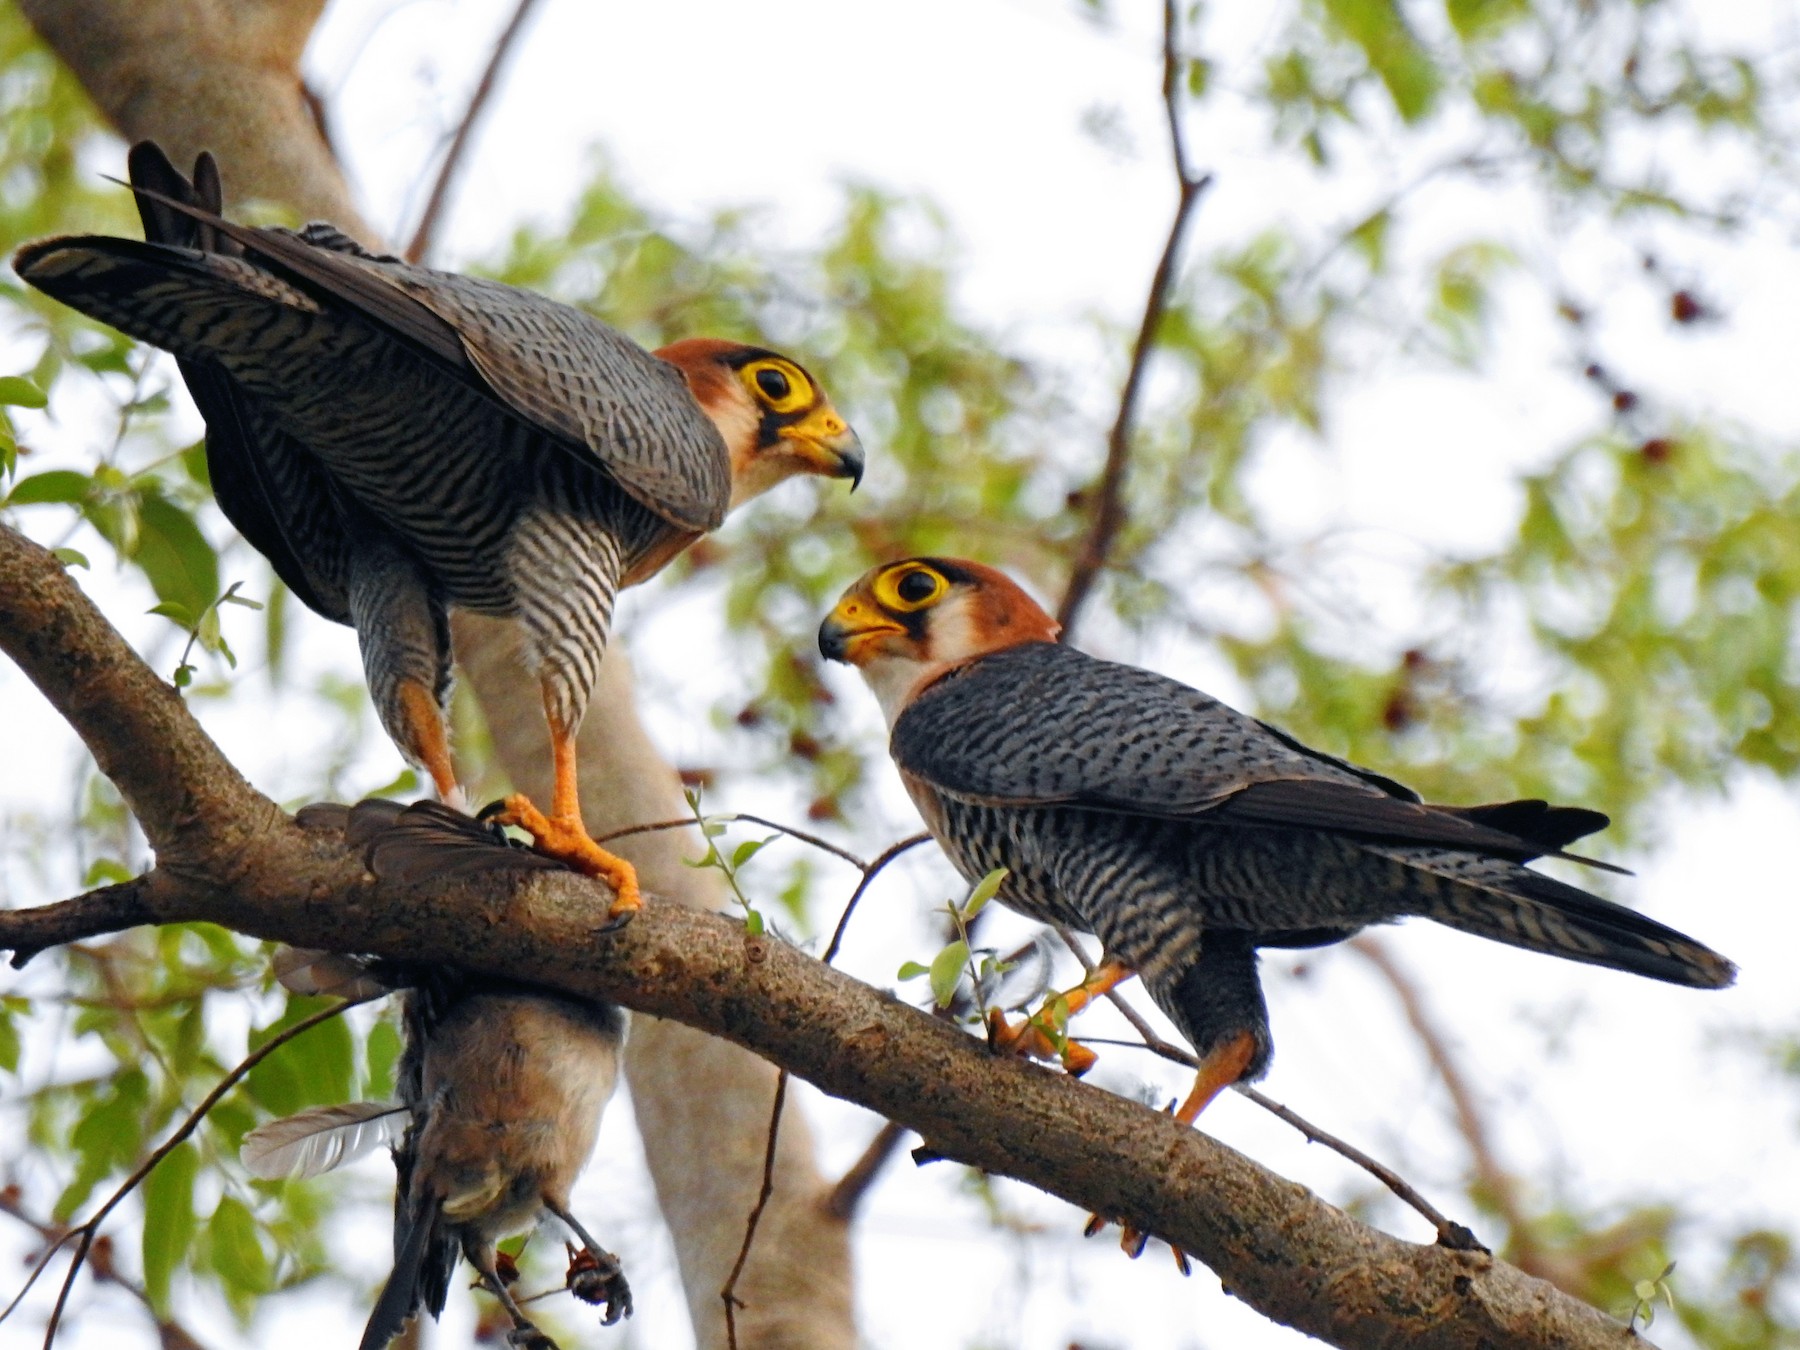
[(223, 75)]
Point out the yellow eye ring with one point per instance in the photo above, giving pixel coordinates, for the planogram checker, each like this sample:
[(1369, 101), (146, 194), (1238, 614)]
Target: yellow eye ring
[(910, 588), (778, 385)]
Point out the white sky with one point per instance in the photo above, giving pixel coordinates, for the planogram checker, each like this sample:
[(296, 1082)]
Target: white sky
[(1615, 1085)]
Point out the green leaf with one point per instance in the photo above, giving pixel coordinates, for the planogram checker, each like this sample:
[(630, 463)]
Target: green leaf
[(745, 851), (1394, 54), (235, 1248), (315, 1069), (21, 393), (380, 1053), (984, 891), (70, 557), (911, 970), (169, 1221), (176, 559), (106, 872), (9, 1042), (1476, 19), (947, 971), (53, 485), (109, 1135), (753, 922)]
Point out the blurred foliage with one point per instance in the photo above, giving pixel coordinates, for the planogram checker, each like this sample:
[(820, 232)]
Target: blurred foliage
[(1648, 594)]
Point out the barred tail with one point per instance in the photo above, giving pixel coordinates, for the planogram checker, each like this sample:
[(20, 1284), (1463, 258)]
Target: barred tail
[(196, 305), (1526, 909)]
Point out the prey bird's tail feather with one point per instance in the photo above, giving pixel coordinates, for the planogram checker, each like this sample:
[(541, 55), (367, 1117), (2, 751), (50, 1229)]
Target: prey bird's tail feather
[(420, 1278)]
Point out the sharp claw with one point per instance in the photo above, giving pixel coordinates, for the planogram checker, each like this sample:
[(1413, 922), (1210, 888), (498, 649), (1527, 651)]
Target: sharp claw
[(1094, 1224)]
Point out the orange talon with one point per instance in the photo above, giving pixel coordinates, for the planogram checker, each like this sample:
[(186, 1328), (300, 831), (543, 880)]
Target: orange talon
[(1222, 1067), (565, 839), (1032, 1035)]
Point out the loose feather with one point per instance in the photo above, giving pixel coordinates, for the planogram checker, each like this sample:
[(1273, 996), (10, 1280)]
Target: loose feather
[(321, 1139)]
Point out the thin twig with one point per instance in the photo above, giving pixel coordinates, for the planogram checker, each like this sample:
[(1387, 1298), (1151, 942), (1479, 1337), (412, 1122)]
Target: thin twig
[(172, 1334), (1109, 509), (1493, 1176), (1450, 1233), (729, 1292), (870, 872), (730, 817), (440, 190), (842, 1203), (90, 1227), (804, 837)]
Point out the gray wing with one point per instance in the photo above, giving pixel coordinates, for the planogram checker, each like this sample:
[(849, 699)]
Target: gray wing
[(572, 375), (593, 389), (1042, 724)]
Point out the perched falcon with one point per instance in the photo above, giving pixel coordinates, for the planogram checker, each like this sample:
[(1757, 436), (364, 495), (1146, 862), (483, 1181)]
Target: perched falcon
[(398, 440), (500, 1090), (1182, 833)]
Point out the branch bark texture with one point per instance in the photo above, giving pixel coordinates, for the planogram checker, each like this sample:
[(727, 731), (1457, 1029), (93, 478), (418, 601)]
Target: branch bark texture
[(1274, 1244)]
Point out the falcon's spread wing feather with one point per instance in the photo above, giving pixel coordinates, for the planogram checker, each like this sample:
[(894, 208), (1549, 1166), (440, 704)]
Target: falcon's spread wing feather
[(1042, 724)]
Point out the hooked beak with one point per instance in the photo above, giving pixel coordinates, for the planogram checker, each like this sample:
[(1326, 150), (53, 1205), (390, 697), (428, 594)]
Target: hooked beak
[(852, 622), (826, 442)]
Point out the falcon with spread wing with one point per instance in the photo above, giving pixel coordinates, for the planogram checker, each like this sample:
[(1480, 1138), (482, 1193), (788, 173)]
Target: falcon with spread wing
[(399, 441), (1182, 833)]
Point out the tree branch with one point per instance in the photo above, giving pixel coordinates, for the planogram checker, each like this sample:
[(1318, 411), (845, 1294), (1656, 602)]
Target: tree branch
[(246, 866), (1109, 491), (101, 911), (420, 246)]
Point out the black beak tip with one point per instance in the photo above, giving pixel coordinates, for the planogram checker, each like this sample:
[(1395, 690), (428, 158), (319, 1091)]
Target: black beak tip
[(831, 642)]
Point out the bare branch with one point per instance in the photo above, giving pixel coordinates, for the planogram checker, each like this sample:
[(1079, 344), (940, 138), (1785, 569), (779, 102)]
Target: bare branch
[(1109, 491), (453, 157), (1497, 1184), (870, 872), (847, 1195), (106, 910), (729, 1293)]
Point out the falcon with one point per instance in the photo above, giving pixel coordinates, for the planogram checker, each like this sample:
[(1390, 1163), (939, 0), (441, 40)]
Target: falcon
[(1182, 833), (399, 441)]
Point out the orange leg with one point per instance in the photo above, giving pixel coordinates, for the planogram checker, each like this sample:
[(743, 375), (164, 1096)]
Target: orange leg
[(430, 743), (1222, 1067), (562, 836), (1033, 1036)]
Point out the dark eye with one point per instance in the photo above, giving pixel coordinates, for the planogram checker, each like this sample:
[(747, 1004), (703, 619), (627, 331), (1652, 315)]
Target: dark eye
[(916, 587), (773, 383)]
